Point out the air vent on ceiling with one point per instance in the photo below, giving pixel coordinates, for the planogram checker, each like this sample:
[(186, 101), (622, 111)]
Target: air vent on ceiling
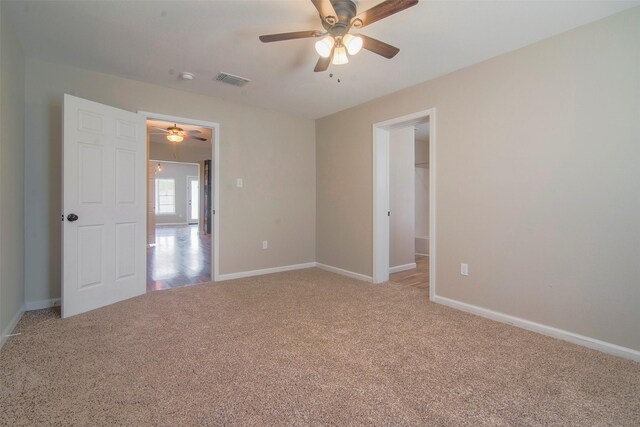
[(232, 80)]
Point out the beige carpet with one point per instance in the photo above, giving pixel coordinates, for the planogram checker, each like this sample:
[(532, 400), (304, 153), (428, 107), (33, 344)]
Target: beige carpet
[(305, 348)]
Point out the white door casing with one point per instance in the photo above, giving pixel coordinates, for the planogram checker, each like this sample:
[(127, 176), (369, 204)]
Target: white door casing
[(151, 202), (104, 171)]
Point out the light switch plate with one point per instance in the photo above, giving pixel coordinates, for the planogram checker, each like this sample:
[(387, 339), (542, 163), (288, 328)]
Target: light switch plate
[(239, 183), (464, 269)]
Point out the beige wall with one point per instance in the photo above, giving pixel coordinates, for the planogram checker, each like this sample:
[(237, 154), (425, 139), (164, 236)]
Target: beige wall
[(538, 184), (273, 152), (402, 196), (11, 177)]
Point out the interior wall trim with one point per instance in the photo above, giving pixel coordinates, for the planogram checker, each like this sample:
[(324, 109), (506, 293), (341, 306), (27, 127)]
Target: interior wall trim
[(344, 272), (399, 268), (529, 325), (11, 326), (241, 274)]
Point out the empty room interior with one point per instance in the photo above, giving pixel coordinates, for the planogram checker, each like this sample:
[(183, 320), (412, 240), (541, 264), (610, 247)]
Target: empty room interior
[(325, 212)]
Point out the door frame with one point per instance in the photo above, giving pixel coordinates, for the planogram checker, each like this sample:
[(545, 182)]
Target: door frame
[(380, 166), (215, 153), (191, 178)]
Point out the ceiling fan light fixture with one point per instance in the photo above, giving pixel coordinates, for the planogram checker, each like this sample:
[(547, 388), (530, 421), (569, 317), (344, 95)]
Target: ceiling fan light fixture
[(324, 46), (174, 137), (352, 43), (340, 56), (338, 17)]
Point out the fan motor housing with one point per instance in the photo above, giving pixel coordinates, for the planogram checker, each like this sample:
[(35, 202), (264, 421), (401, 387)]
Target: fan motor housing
[(346, 10)]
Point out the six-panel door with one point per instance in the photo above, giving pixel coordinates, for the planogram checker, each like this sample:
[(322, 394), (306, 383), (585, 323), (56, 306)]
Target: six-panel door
[(104, 184)]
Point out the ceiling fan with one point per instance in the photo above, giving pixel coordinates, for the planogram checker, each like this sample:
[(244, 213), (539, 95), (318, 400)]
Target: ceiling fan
[(338, 18), (177, 134)]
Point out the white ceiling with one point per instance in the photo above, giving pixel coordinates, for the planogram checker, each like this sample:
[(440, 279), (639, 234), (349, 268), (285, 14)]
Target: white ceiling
[(153, 41)]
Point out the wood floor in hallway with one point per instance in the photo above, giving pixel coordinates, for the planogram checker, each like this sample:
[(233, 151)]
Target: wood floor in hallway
[(180, 257), (417, 277)]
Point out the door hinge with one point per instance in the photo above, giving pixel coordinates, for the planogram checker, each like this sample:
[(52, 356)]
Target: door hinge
[(388, 213), (214, 211)]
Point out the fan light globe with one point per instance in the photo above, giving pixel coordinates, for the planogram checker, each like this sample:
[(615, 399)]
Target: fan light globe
[(173, 137), (352, 43), (340, 56), (324, 46)]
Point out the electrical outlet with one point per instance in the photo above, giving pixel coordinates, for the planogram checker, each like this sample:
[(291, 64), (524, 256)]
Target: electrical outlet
[(265, 244), (464, 269)]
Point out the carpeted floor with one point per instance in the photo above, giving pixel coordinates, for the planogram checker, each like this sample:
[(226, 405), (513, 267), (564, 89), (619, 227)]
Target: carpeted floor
[(306, 348)]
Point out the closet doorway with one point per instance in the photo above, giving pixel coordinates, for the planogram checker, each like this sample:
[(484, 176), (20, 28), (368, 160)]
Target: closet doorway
[(404, 201), (409, 204)]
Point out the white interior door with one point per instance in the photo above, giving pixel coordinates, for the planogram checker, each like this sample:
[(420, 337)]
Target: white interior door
[(193, 199), (104, 164)]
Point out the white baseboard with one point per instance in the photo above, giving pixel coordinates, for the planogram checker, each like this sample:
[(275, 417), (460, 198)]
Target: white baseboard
[(241, 274), (399, 268), (161, 224), (419, 254), (39, 305), (582, 340), (11, 326), (344, 272)]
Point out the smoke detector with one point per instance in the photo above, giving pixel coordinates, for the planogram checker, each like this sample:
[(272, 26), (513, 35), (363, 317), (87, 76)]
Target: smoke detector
[(185, 75)]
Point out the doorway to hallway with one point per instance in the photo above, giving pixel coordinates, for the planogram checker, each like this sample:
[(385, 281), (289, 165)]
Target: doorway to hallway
[(181, 182), (181, 256), (417, 277)]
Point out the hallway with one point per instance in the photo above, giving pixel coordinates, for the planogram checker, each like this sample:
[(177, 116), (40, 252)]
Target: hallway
[(181, 257), (417, 277)]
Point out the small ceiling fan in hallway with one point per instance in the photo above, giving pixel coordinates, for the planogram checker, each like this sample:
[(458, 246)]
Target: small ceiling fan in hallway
[(177, 134), (338, 18)]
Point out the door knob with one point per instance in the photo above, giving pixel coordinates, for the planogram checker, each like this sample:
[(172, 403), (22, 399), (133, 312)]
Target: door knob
[(72, 217)]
